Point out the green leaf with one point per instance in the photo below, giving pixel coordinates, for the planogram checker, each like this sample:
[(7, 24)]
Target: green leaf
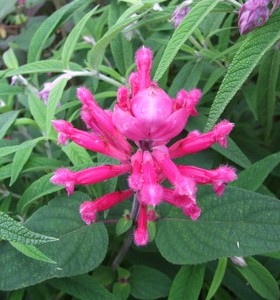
[(11, 149), (6, 120), (123, 225), (96, 55), (53, 100), (213, 78), (252, 50), (17, 295), (42, 66), (19, 160), (82, 287), (188, 283), (241, 223), (121, 290), (218, 278), (9, 89), (266, 88), (77, 154), (192, 72), (13, 231), (183, 32), (72, 39), (32, 251), (234, 153), (10, 60), (253, 177), (121, 48), (148, 283), (6, 7), (38, 110), (36, 190), (260, 279), (49, 25), (80, 248)]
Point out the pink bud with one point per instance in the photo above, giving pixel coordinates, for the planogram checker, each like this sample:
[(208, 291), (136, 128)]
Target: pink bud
[(253, 14), (221, 131), (192, 210), (89, 209), (143, 60), (64, 177), (134, 83), (218, 177), (152, 106), (196, 141), (141, 235), (88, 212)]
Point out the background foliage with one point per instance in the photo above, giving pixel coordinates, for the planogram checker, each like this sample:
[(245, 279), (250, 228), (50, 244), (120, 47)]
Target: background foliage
[(46, 251)]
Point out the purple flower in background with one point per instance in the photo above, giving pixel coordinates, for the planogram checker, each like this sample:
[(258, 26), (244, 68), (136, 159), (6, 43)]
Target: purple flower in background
[(48, 86), (254, 13), (21, 2), (180, 12)]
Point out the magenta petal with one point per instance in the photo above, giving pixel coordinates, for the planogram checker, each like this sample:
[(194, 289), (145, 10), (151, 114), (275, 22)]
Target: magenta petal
[(141, 235), (88, 212), (96, 117), (193, 211), (129, 126), (175, 123), (143, 59), (64, 177), (151, 194), (89, 209)]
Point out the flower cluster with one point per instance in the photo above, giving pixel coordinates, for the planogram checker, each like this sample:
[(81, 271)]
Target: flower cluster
[(146, 115), (254, 13)]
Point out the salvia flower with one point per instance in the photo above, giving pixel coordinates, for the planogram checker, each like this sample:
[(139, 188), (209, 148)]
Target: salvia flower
[(180, 12), (146, 115), (254, 13), (48, 86)]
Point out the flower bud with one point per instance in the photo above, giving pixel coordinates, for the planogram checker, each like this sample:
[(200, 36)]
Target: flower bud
[(253, 14)]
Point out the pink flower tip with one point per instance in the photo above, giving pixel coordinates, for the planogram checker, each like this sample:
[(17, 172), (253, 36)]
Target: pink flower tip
[(192, 210), (141, 237), (144, 56), (228, 174), (64, 177), (88, 212), (225, 175), (222, 130), (61, 125), (64, 129), (85, 96)]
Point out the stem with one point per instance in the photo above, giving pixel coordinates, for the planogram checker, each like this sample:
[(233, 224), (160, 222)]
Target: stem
[(25, 121), (234, 2), (129, 238), (93, 73)]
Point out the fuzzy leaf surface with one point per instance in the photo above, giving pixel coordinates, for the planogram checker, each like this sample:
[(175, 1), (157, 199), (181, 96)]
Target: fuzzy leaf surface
[(253, 49), (79, 250), (241, 223)]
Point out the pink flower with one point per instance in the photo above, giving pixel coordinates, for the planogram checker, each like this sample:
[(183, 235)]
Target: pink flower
[(146, 115), (48, 86), (180, 12), (254, 13)]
